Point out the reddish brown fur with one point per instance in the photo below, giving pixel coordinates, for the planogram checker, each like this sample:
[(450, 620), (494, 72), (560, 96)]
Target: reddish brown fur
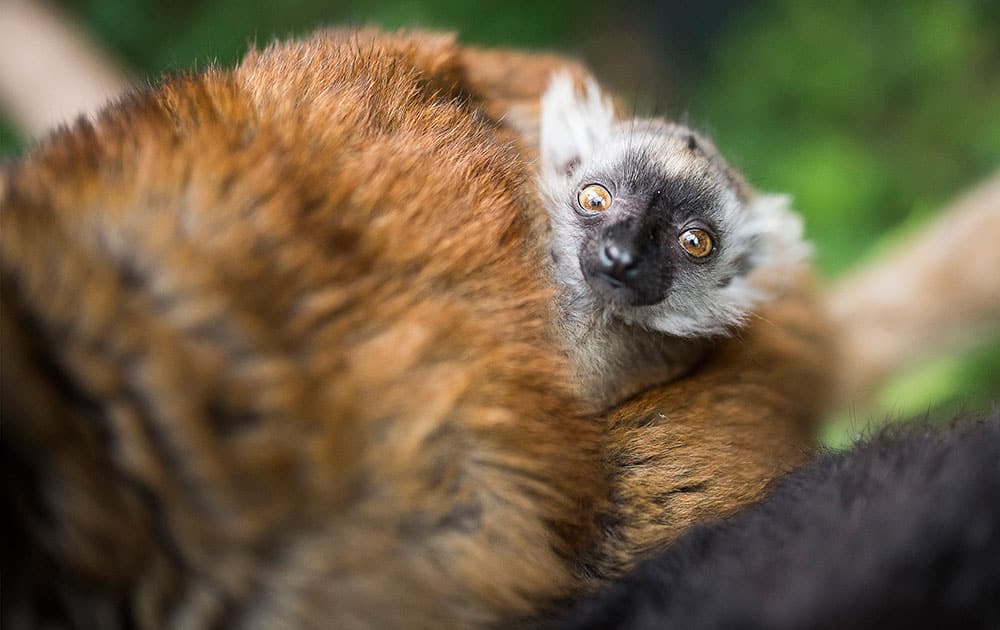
[(281, 334), (706, 444)]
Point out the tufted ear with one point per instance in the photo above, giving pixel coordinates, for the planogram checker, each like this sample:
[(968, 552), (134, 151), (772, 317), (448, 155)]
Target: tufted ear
[(776, 230), (574, 123), (772, 249)]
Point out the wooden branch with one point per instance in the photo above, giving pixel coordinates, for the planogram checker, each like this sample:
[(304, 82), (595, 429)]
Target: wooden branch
[(50, 71), (937, 293)]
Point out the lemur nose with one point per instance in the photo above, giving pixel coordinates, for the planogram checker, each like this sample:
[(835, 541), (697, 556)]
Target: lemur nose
[(617, 261)]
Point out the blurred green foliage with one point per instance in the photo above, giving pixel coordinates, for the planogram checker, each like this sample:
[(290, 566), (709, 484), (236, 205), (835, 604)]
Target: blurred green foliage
[(872, 114), (939, 388), (10, 140)]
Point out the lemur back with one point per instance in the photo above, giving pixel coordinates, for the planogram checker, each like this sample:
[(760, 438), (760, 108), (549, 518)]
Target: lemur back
[(277, 352)]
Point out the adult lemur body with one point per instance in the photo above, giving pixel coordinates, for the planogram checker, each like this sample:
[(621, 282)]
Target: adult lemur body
[(657, 244), (277, 352)]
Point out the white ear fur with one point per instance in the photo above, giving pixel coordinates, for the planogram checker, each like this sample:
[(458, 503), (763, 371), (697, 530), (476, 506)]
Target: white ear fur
[(573, 124), (778, 233), (777, 250)]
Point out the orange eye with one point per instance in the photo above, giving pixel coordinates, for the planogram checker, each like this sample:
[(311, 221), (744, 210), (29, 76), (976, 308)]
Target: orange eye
[(696, 242), (594, 198)]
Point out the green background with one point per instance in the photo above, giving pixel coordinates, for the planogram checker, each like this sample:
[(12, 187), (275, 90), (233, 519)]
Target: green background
[(872, 114)]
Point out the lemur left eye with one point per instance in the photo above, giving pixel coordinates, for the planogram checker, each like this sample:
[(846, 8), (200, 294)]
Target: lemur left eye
[(696, 242), (594, 198)]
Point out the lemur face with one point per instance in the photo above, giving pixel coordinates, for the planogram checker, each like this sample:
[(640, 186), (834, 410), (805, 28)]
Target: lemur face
[(648, 220), (646, 230)]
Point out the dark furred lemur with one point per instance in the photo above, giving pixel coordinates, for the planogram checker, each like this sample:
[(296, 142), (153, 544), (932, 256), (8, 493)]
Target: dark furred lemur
[(278, 351), (902, 531)]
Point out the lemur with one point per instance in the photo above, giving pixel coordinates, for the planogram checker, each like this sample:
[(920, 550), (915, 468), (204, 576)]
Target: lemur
[(653, 241), (276, 353), (900, 531)]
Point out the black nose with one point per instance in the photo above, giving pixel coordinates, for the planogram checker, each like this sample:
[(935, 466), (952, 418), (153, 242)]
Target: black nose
[(618, 261)]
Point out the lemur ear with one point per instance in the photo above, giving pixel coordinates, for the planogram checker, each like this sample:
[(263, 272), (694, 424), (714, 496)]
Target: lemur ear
[(573, 123), (777, 237)]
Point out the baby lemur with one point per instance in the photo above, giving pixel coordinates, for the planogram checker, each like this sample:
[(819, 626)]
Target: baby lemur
[(653, 241)]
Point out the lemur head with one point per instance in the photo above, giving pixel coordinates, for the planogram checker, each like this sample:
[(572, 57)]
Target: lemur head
[(649, 223)]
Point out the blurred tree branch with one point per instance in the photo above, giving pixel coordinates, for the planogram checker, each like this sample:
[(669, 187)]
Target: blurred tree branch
[(937, 293), (50, 71)]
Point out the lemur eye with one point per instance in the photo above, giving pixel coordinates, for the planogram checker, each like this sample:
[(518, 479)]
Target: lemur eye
[(594, 198), (696, 242)]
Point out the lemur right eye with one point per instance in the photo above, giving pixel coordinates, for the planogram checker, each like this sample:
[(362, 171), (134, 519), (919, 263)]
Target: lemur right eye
[(594, 198), (696, 242)]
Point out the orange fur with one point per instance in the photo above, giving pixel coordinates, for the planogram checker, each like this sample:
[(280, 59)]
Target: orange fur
[(277, 353)]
